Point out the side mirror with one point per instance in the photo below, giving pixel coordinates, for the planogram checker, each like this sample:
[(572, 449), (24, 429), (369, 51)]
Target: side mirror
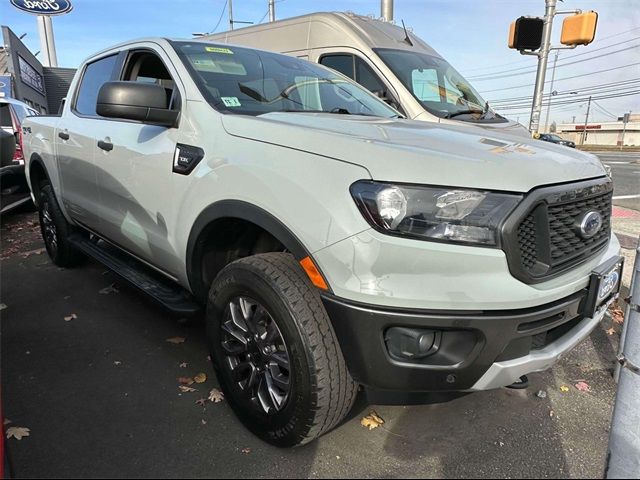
[(143, 102)]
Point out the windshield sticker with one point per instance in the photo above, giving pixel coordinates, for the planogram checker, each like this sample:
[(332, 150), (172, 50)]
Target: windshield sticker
[(219, 50), (231, 101)]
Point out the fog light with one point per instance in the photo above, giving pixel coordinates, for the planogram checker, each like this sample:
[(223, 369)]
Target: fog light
[(411, 343)]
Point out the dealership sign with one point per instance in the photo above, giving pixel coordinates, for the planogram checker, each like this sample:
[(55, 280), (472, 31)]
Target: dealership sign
[(43, 7)]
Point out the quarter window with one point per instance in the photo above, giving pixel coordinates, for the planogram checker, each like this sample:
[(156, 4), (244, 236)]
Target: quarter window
[(356, 69), (95, 75)]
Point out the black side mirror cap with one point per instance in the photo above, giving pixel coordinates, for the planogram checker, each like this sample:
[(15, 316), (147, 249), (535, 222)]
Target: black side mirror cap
[(142, 102)]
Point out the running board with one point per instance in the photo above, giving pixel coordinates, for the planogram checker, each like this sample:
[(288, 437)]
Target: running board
[(170, 295)]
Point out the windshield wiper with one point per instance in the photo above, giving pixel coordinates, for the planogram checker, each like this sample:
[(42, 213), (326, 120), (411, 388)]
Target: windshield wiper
[(463, 112)]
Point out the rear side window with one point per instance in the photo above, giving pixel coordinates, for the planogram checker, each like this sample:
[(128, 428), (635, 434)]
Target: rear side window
[(95, 75), (5, 116)]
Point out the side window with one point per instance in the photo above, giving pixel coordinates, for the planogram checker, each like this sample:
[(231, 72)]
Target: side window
[(95, 75), (340, 63), (425, 85), (367, 77), (147, 67)]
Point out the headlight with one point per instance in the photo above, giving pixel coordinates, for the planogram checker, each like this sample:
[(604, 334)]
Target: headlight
[(434, 213)]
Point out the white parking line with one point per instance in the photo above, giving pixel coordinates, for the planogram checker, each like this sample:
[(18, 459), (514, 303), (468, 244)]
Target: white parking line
[(626, 197)]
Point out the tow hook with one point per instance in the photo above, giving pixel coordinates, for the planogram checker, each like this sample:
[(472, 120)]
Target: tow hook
[(521, 384)]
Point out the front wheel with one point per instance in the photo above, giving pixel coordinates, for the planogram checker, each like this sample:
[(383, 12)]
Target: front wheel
[(275, 352)]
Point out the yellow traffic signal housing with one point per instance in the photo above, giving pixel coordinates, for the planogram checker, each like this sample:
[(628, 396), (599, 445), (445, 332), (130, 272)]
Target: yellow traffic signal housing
[(579, 29), (526, 33), (512, 35)]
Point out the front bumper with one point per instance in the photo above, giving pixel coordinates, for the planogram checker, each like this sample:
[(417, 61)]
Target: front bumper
[(478, 350)]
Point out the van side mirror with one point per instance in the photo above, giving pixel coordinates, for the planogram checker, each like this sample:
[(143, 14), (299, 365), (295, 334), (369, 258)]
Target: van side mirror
[(144, 102)]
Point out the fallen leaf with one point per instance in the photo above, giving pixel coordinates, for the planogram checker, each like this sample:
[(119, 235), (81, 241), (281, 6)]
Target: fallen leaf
[(117, 362), (17, 432), (541, 394), (185, 380), (583, 386), (551, 413), (201, 401), (246, 451), (183, 365), (185, 389), (110, 289), (68, 318), (200, 378), (203, 421), (617, 314), (611, 331), (564, 388), (2, 306), (176, 340), (216, 396), (371, 421)]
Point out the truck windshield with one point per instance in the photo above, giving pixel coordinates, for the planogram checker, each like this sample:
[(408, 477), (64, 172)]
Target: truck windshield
[(437, 86), (250, 82)]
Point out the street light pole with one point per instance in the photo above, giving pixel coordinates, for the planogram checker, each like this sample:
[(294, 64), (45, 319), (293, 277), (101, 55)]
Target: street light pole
[(586, 122), (553, 78), (230, 14), (272, 10), (625, 120), (386, 10), (543, 59)]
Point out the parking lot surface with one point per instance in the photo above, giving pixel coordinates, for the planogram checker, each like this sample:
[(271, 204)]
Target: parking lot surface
[(100, 396)]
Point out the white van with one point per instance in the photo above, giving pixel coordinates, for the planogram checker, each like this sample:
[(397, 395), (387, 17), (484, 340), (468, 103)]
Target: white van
[(385, 58)]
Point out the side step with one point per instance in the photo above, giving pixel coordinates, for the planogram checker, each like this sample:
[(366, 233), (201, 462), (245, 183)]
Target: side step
[(161, 289)]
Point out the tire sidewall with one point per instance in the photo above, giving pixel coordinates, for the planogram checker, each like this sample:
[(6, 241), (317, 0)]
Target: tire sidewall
[(290, 425), (47, 197)]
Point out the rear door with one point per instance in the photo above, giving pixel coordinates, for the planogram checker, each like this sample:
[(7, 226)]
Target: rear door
[(75, 145), (138, 208)]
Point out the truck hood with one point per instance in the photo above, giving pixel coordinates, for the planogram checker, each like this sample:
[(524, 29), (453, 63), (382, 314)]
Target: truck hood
[(410, 151)]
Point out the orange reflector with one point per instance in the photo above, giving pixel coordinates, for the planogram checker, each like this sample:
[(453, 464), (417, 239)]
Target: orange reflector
[(313, 273)]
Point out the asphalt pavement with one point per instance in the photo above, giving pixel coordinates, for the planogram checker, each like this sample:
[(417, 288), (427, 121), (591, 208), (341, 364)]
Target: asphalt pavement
[(625, 169), (100, 396)]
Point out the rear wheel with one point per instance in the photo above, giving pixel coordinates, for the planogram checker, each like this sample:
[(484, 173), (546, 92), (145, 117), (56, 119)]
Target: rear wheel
[(56, 231), (275, 351)]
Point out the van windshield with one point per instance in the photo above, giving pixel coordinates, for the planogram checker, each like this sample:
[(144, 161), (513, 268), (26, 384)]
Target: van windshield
[(251, 82), (438, 86)]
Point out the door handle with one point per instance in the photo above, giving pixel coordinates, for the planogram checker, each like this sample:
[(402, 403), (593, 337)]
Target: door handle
[(106, 146), (63, 135)]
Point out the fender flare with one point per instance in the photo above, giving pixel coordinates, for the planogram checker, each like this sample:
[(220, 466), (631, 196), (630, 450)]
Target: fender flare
[(36, 159), (243, 211)]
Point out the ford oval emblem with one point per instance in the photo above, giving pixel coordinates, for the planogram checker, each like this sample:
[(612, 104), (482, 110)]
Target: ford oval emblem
[(43, 7), (591, 224)]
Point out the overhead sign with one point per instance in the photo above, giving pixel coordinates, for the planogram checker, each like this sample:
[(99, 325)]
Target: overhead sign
[(5, 86), (30, 76), (43, 7), (589, 127)]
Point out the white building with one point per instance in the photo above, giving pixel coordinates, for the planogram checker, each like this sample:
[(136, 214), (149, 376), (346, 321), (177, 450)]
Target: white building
[(602, 133)]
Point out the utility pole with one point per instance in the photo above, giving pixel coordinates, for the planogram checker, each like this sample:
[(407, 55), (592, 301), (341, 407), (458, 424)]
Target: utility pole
[(272, 10), (543, 58), (230, 14), (586, 122), (386, 10), (553, 78)]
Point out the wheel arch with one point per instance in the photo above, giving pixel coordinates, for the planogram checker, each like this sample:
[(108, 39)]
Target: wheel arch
[(38, 176), (204, 228)]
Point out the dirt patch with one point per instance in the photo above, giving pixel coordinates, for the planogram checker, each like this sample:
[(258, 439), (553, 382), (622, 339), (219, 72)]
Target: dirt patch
[(20, 235)]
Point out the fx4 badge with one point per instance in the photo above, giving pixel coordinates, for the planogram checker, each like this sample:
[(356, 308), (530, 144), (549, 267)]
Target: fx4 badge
[(186, 158)]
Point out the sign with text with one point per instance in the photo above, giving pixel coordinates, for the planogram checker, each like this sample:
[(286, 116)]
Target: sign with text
[(30, 76), (43, 7)]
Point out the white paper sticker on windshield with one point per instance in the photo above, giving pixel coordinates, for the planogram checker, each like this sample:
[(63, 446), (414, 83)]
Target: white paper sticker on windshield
[(231, 101)]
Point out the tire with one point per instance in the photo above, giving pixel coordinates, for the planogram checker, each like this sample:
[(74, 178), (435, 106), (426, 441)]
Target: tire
[(56, 231), (264, 290)]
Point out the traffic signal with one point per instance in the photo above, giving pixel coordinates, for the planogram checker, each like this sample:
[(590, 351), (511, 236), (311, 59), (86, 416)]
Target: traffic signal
[(579, 29), (526, 33)]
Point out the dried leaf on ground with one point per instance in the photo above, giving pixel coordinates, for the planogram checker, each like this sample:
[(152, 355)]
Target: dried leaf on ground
[(185, 380), (200, 378), (371, 421), (183, 365), (110, 289), (611, 331), (246, 451), (583, 386), (185, 389), (564, 388), (617, 314), (117, 362), (68, 318), (2, 306), (17, 432), (201, 401), (216, 396), (176, 340)]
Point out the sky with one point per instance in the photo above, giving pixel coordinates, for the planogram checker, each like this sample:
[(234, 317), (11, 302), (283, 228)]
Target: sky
[(470, 34)]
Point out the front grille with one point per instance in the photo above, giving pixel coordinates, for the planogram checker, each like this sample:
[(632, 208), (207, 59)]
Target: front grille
[(548, 235)]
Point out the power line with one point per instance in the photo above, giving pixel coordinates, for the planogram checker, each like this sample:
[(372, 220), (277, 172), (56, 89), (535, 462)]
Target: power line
[(604, 110), (599, 87), (479, 77), (224, 9), (564, 78), (581, 100), (523, 61)]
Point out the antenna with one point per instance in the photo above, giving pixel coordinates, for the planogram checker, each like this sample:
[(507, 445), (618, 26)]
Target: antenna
[(406, 35)]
